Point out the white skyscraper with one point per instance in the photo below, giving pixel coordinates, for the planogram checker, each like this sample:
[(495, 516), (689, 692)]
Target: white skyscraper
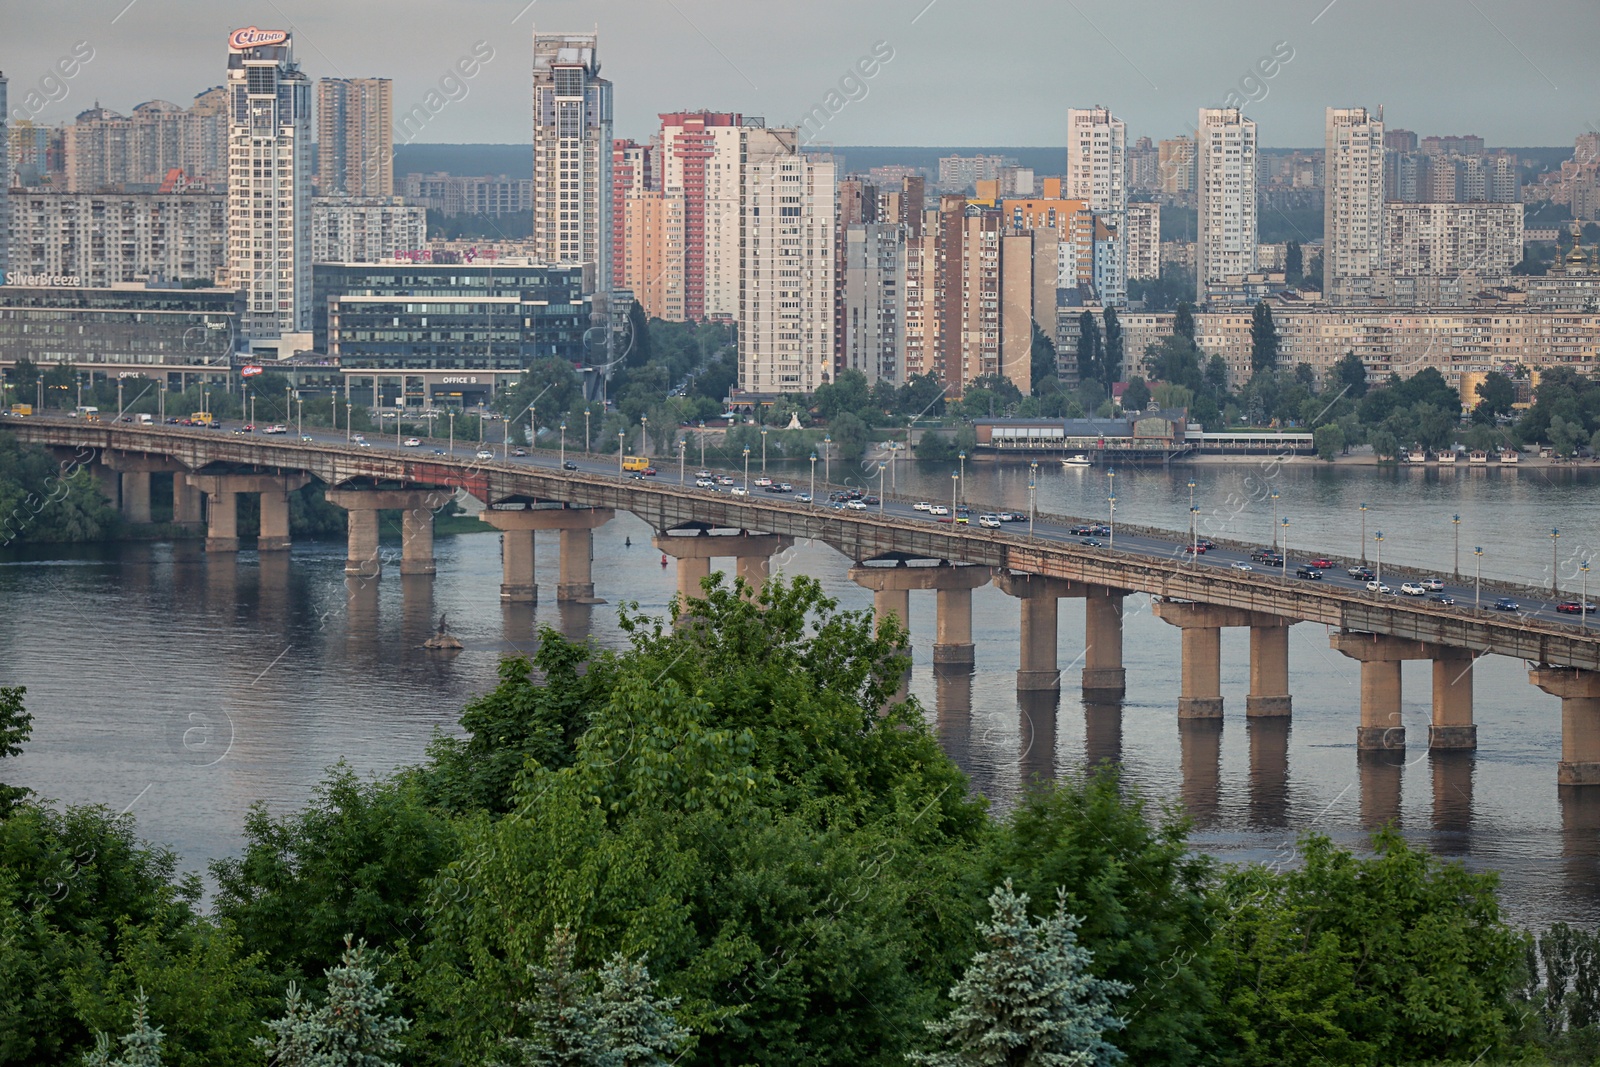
[(1352, 215), (1225, 179), (786, 264), (269, 182), (571, 153), (1097, 171)]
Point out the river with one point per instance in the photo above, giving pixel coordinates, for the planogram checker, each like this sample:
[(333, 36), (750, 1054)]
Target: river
[(185, 689)]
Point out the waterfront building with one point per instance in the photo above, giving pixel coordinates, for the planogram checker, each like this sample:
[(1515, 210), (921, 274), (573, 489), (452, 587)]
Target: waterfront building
[(113, 238)]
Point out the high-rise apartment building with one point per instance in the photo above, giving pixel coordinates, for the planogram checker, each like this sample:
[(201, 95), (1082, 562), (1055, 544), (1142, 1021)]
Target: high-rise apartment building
[(107, 239), (1144, 242), (1073, 223), (633, 170), (700, 164), (651, 256), (1447, 239), (786, 264), (355, 137), (451, 194), (872, 327), (365, 229), (572, 153), (1097, 155), (1175, 162), (269, 182), (1144, 166), (1225, 181), (1352, 217), (104, 151)]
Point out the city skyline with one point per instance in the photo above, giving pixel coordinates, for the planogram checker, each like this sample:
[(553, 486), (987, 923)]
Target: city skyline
[(1283, 65)]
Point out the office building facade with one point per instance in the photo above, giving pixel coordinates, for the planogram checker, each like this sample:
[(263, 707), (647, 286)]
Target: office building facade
[(269, 182), (1225, 184), (355, 137), (572, 145)]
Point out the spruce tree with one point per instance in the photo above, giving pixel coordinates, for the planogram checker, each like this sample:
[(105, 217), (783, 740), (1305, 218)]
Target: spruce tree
[(635, 1024), (1028, 999), (350, 1030), (1090, 353), (1111, 363), (1263, 339), (141, 1047), (563, 1013), (1183, 320)]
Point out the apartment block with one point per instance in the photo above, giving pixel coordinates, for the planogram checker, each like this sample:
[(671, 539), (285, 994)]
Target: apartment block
[(1144, 242), (346, 229), (572, 145), (1225, 244), (873, 286), (1175, 160), (634, 169), (117, 238), (1097, 156), (355, 137), (1353, 206), (652, 254), (1452, 238), (451, 195), (700, 164), (105, 151)]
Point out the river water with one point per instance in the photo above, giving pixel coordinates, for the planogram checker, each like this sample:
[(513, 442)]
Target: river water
[(186, 689)]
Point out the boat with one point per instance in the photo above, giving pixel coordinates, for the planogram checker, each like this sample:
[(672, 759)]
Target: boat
[(1079, 460)]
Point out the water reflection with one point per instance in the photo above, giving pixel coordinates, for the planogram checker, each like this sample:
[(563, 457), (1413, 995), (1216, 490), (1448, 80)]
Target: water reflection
[(1580, 840), (1200, 742), (952, 686), (1452, 771), (1102, 732), (1380, 774), (1037, 710), (1269, 771)]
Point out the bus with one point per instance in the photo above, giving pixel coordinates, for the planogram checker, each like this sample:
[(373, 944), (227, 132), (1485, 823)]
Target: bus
[(635, 463), (201, 418)]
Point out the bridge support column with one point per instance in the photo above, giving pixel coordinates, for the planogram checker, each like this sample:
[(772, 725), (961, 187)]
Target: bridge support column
[(1452, 726), (1380, 659), (136, 496), (110, 483), (1039, 668), (185, 501), (1103, 675), (222, 507), (1201, 625), (1269, 668), (694, 553), (222, 520), (517, 549), (1580, 721), (952, 642), (274, 522), (363, 505)]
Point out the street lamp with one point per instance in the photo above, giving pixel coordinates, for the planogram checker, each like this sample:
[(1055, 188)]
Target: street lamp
[(813, 494), (1285, 565), (563, 444), (1363, 532), (962, 456), (452, 414), (1274, 496), (683, 455), (1111, 538), (747, 471), (763, 451), (1033, 491), (1194, 530), (1555, 542), (1477, 577), (1378, 578), (1583, 593), (1455, 521), (827, 458), (586, 437), (882, 469), (644, 434), (955, 489), (620, 451)]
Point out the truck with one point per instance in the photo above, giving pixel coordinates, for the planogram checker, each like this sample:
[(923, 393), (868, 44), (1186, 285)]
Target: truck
[(87, 414), (143, 420), (21, 411)]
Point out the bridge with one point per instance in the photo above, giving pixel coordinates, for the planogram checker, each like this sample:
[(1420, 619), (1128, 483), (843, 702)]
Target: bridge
[(893, 550)]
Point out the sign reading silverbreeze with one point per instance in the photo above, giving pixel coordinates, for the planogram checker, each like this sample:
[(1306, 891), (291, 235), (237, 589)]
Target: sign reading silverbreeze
[(251, 37), (16, 277)]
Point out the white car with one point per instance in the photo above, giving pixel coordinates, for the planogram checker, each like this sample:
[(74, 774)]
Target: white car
[(484, 453), (702, 474), (739, 490), (763, 482), (723, 479), (1433, 585), (991, 521), (938, 509), (922, 505), (704, 483), (1375, 586), (412, 442), (363, 444), (359, 439), (856, 505), (276, 429), (1241, 566), (1412, 589)]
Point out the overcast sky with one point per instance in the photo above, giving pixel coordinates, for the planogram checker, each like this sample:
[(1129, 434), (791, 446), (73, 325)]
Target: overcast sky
[(964, 72)]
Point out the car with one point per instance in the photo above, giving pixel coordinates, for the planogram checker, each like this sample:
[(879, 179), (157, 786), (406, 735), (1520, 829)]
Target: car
[(1575, 607), (856, 505), (306, 437), (991, 522), (649, 472), (413, 442), (1361, 574), (1013, 516), (737, 490), (1091, 542), (1205, 544), (938, 509), (1505, 603), (276, 429), (771, 489), (363, 444), (763, 481), (1413, 589), (438, 451), (702, 474), (1083, 531), (1308, 573), (785, 487), (524, 452), (854, 494), (1321, 564), (922, 505), (704, 483), (356, 437), (1441, 598), (1376, 586), (484, 453), (250, 427), (963, 509), (869, 500), (804, 498), (1240, 566), (1432, 585), (1198, 550), (569, 466), (724, 479), (1272, 562), (958, 520)]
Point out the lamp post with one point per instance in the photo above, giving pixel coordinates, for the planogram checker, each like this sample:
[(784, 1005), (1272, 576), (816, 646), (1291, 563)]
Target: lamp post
[(1033, 492), (813, 493), (1363, 532), (1111, 485), (563, 444), (1378, 537), (763, 451), (288, 395), (586, 437), (1194, 529), (300, 416), (644, 435), (1555, 543), (1285, 565), (620, 450), (452, 431), (1455, 521), (955, 490), (882, 469), (1111, 538), (827, 458), (1477, 577), (962, 457), (1583, 593), (1274, 496), (747, 471), (348, 410), (683, 455)]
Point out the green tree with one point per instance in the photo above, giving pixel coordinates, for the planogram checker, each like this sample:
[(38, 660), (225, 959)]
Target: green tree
[(1263, 339), (1351, 375), (1091, 349), (141, 1046), (849, 437), (1496, 394), (1329, 439), (16, 725), (1028, 997), (1313, 278), (24, 379), (1340, 960), (846, 394), (352, 1029), (637, 1024), (1044, 370), (1217, 375), (1293, 264), (1183, 322), (1137, 396), (1112, 366)]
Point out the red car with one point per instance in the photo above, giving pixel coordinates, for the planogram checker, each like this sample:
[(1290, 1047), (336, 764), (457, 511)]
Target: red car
[(1573, 607), (1321, 564), (1198, 549), (649, 472)]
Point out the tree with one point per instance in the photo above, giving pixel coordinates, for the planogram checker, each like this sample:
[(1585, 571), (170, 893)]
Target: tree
[(1217, 375), (1112, 367), (1564, 436), (849, 436), (350, 1030), (1293, 268), (1137, 396), (1496, 395), (1313, 279), (846, 394), (1183, 321), (1091, 353), (141, 1045), (16, 725), (1351, 374), (1263, 339), (1044, 370), (1028, 998), (1329, 440)]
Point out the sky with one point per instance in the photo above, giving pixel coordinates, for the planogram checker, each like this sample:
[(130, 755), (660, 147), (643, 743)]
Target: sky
[(961, 72)]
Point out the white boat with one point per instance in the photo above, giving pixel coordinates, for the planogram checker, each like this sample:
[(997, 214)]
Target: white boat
[(1080, 460)]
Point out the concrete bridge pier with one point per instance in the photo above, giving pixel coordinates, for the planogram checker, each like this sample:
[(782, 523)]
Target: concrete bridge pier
[(1039, 668), (1201, 625), (1380, 659), (222, 507), (416, 545), (1269, 668), (517, 550), (1104, 677), (135, 469), (1579, 691), (752, 555), (136, 496), (952, 584), (110, 482), (1452, 726), (185, 501)]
